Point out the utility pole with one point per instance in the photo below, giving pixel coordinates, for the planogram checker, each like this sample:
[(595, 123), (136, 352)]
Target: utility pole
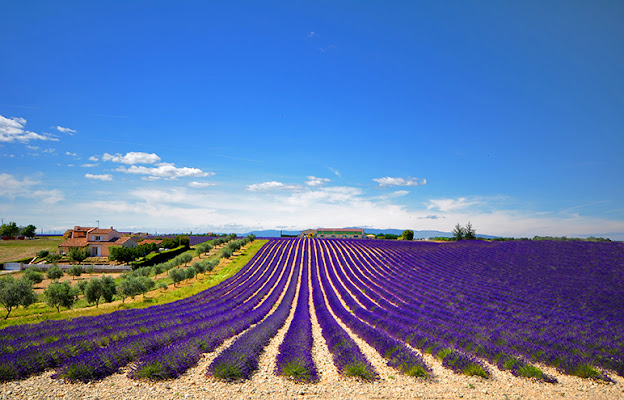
[(98, 222)]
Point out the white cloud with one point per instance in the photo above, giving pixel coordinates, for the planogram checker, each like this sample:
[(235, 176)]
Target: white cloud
[(270, 186), (335, 171), (165, 171), (89, 165), (27, 188), (12, 130), (65, 130), (314, 181), (446, 205), (311, 34), (104, 177), (388, 181), (196, 184), (94, 158), (67, 153), (133, 157)]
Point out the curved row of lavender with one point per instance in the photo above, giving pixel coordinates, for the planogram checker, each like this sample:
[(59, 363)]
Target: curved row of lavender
[(512, 303), (31, 349)]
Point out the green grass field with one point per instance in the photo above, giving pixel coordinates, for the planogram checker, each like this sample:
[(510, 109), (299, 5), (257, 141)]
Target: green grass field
[(11, 250)]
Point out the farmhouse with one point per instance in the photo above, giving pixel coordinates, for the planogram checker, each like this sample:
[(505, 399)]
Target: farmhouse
[(97, 240), (349, 233)]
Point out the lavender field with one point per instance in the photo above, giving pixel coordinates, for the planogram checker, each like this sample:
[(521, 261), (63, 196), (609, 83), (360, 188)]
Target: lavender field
[(519, 307)]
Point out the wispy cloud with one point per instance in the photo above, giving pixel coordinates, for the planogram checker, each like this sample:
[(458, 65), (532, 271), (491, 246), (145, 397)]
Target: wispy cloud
[(103, 177), (409, 181), (131, 158), (446, 205), (12, 130), (64, 130), (199, 185), (311, 35), (335, 171), (13, 187), (270, 186), (68, 153)]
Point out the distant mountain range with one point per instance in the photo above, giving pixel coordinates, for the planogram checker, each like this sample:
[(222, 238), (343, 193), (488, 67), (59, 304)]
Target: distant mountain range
[(417, 234)]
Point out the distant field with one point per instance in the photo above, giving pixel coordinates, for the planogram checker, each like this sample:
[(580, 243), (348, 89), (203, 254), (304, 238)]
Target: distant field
[(11, 250)]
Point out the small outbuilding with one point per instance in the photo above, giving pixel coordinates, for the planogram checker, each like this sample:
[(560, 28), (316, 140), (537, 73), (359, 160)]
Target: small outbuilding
[(348, 233)]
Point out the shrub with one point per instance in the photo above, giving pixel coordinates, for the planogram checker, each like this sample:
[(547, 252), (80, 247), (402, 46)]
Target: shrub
[(52, 258), (129, 287), (34, 275), (55, 272), (162, 285), (97, 289), (190, 273)]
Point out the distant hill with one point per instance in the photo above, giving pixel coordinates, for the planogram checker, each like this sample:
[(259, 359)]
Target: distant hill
[(417, 234)]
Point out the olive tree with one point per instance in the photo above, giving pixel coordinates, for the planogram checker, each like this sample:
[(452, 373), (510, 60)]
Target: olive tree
[(60, 295), (55, 272), (16, 292)]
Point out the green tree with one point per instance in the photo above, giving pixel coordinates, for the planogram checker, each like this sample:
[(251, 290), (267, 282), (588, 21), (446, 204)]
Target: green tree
[(16, 292), (55, 272), (109, 288), (75, 271), (145, 284), (34, 275), (129, 287), (168, 243), (186, 258), (408, 235), (183, 241), (469, 231), (29, 231), (190, 273), (94, 291), (177, 275), (9, 230), (77, 254), (82, 285), (60, 295), (458, 232)]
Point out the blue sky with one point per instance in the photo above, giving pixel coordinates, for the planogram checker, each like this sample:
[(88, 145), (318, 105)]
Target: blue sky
[(236, 116)]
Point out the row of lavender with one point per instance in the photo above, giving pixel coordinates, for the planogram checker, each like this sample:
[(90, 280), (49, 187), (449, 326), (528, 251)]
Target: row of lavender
[(511, 303)]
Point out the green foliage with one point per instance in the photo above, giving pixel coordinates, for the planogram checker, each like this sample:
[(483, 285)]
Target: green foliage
[(60, 295), (408, 235), (81, 286), (77, 254), (156, 258), (75, 271), (16, 292), (97, 289), (360, 370), (177, 275), (43, 254), (90, 269), (53, 258), (145, 284), (296, 370), (34, 275), (190, 273), (122, 254), (183, 241), (129, 287), (467, 232), (29, 231), (55, 272), (162, 285), (186, 258), (226, 252), (169, 243), (9, 230), (388, 236)]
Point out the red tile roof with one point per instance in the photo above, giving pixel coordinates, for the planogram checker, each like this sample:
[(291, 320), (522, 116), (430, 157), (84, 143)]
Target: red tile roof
[(74, 242)]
